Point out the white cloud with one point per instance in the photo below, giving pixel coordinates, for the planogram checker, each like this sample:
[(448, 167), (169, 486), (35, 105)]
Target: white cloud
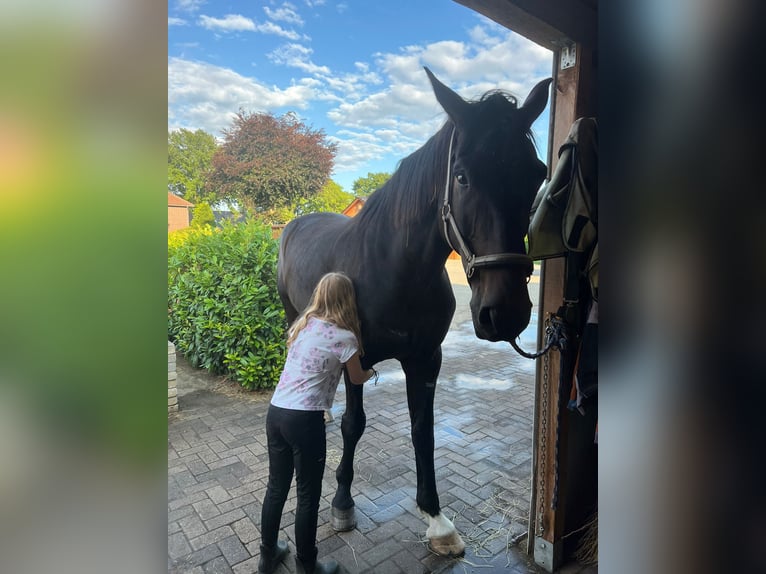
[(176, 21), (229, 23), (239, 23), (271, 28), (297, 56), (285, 13), (190, 5), (202, 95)]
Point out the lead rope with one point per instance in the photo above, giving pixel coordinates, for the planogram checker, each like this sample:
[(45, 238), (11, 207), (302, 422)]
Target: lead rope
[(555, 338)]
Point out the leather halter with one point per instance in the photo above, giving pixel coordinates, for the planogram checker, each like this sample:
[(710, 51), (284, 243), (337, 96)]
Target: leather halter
[(470, 260)]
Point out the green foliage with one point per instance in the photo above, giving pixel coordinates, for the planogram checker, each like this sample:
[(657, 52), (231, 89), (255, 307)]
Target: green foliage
[(190, 156), (224, 313), (364, 186), (202, 215), (266, 163), (331, 198)]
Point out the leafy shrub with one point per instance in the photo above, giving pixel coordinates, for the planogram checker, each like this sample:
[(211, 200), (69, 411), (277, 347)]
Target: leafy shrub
[(180, 236), (224, 313), (202, 215)]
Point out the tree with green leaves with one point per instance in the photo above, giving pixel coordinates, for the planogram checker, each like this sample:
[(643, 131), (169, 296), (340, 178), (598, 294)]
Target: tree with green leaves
[(190, 156), (330, 198), (267, 163), (364, 186), (202, 214)]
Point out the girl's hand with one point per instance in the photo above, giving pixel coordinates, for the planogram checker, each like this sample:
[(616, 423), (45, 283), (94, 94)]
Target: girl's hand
[(355, 372)]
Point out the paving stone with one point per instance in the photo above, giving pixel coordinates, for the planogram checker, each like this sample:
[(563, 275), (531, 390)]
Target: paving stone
[(218, 494), (246, 530), (177, 514), (389, 567), (212, 537), (202, 486), (406, 561), (192, 526), (217, 566), (186, 500), (206, 509), (387, 514), (203, 555), (233, 550), (382, 552), (226, 518), (248, 566), (178, 546)]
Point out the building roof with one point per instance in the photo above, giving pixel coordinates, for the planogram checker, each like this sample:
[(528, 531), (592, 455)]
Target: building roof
[(353, 207), (175, 201)]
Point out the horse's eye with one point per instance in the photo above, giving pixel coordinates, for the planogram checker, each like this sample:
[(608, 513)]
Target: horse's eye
[(461, 178)]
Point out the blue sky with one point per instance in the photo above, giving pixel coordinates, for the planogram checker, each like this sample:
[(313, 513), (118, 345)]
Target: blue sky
[(352, 68)]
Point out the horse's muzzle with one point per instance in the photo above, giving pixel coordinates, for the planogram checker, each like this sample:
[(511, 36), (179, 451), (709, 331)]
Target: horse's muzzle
[(501, 323)]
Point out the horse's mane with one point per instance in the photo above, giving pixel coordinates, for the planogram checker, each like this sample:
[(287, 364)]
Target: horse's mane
[(419, 177), (413, 186)]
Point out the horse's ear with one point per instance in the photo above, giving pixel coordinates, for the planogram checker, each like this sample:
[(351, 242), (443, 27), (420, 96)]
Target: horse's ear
[(535, 102), (453, 104)]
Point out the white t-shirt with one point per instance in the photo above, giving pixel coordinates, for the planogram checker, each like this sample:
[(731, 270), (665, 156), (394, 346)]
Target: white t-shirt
[(313, 367)]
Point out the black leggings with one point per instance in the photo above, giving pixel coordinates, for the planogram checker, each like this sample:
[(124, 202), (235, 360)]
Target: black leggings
[(297, 441)]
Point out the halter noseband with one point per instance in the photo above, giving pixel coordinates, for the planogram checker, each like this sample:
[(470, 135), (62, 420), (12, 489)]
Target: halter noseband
[(471, 261)]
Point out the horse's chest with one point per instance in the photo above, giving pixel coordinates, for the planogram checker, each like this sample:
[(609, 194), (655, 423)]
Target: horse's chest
[(406, 325)]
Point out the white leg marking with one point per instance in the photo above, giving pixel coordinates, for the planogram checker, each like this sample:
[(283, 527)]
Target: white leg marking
[(443, 537)]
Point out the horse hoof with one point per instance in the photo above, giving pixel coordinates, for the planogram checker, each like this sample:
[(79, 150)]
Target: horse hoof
[(450, 545), (342, 520)]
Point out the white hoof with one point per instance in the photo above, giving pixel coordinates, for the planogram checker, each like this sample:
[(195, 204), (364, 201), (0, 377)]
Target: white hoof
[(443, 537)]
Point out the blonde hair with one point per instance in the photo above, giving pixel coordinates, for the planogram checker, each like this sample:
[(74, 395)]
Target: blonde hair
[(334, 301)]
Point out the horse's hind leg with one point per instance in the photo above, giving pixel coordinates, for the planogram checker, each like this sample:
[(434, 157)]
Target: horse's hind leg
[(421, 374), (352, 427)]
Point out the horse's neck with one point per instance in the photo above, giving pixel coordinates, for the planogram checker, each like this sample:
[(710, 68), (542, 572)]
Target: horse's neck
[(417, 189), (418, 244)]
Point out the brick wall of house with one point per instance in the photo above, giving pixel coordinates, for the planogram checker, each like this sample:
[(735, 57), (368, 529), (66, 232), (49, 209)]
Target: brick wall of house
[(178, 218), (172, 377)]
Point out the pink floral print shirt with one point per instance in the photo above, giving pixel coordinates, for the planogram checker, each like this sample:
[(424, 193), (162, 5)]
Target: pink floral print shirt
[(313, 367)]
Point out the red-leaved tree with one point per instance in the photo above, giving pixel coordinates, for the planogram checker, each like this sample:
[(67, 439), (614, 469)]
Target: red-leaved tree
[(267, 163)]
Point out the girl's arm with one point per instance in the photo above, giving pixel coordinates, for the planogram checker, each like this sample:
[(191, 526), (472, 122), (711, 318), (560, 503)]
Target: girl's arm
[(355, 371)]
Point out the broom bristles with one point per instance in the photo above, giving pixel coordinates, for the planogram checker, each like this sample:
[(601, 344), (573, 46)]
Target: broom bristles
[(587, 548)]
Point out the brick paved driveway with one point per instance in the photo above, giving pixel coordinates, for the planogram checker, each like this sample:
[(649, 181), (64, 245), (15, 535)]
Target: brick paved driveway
[(218, 467)]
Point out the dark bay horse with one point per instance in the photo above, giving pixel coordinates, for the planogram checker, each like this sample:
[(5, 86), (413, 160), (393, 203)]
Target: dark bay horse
[(470, 186)]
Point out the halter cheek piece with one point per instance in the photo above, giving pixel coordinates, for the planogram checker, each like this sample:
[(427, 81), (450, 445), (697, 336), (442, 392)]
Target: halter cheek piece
[(471, 261)]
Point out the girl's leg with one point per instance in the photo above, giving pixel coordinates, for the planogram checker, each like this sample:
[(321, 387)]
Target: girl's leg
[(280, 476), (307, 436)]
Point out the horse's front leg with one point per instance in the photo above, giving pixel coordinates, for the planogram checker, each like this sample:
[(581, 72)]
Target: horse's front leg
[(421, 374), (352, 426)]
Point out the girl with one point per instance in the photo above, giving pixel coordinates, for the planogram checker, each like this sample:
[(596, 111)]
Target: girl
[(321, 341)]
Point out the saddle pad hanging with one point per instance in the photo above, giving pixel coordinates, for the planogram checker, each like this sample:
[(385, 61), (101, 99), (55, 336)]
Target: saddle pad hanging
[(564, 214)]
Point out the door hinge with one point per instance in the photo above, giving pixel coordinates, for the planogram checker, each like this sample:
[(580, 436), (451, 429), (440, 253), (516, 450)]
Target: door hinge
[(568, 56)]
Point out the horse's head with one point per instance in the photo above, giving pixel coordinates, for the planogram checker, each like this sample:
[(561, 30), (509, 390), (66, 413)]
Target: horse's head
[(493, 177)]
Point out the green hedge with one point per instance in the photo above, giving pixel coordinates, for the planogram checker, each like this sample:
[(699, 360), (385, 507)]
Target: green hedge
[(224, 313)]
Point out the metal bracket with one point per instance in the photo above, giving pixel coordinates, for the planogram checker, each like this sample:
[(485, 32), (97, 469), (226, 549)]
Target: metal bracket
[(547, 555), (568, 56)]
